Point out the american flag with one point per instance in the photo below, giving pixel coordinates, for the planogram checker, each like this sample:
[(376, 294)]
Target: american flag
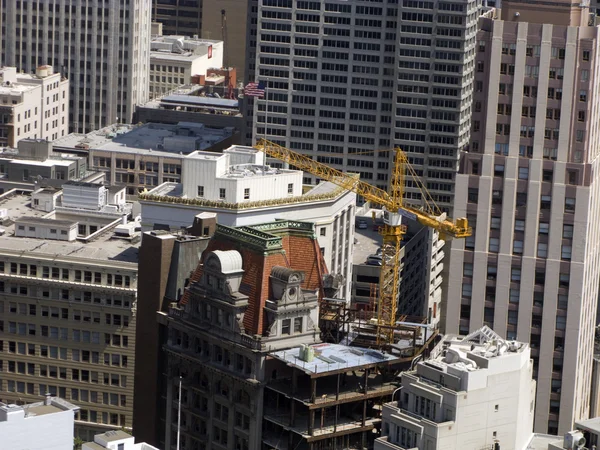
[(255, 89)]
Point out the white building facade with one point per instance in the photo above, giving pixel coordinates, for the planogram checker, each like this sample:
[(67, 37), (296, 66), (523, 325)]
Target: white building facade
[(478, 391), (531, 192), (46, 425), (102, 47), (32, 106), (242, 190), (174, 60)]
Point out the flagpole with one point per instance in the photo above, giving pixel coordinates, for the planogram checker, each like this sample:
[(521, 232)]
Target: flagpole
[(179, 415), (266, 108)]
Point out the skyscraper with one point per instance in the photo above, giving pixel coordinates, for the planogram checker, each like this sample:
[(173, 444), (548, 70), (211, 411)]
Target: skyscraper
[(101, 46), (347, 79), (529, 187)]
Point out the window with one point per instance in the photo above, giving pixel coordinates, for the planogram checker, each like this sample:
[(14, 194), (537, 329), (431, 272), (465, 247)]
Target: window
[(515, 274), (286, 327), (518, 247), (565, 252), (514, 296), (583, 96), (545, 202), (542, 250), (468, 269), (467, 290), (523, 173), (495, 225), (246, 193), (519, 225), (544, 228), (499, 170), (569, 204), (494, 245), (290, 189), (567, 231), (222, 193), (298, 325), (492, 272)]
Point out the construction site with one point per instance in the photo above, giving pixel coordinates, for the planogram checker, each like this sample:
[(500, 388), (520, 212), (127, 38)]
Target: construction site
[(330, 395)]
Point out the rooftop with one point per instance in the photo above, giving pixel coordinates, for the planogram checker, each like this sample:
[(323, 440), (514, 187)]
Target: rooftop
[(180, 48), (331, 357), (540, 441), (50, 405), (152, 138), (592, 425), (114, 435), (103, 248), (173, 193), (192, 98)]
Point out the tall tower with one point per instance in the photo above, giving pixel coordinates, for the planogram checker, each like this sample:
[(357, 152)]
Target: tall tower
[(102, 47), (530, 188), (346, 79)]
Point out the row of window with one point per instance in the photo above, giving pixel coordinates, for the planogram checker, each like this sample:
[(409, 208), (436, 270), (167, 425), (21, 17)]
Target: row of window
[(77, 355), (42, 370), (116, 300), (57, 273), (216, 353), (77, 315), (85, 336)]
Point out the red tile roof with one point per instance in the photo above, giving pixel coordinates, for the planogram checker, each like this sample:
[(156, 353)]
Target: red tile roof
[(297, 251)]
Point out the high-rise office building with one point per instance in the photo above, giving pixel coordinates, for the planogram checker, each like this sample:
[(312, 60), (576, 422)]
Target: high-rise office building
[(529, 187), (347, 79), (101, 46)]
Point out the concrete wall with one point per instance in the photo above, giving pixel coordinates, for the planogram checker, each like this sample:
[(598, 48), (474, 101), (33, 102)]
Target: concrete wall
[(44, 432)]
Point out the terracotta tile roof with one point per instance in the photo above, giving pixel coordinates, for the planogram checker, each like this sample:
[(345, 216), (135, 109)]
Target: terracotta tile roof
[(297, 251)]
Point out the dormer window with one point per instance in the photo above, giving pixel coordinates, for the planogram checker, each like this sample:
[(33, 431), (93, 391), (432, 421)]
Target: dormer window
[(286, 327)]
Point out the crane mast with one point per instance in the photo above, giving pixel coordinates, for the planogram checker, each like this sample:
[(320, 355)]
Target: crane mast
[(228, 87), (392, 231)]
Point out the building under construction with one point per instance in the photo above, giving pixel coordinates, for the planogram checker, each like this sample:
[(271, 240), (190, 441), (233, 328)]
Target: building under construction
[(327, 396)]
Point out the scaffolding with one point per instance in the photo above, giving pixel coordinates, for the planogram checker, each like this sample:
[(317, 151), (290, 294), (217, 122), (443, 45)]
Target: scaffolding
[(352, 325), (330, 402)]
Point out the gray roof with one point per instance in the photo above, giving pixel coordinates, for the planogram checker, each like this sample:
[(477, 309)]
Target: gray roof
[(115, 435), (201, 101), (43, 221)]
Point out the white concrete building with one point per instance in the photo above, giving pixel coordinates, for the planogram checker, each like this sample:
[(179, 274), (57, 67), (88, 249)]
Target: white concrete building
[(346, 77), (175, 59), (115, 440), (46, 425), (243, 190), (530, 188), (32, 106), (476, 392), (103, 48)]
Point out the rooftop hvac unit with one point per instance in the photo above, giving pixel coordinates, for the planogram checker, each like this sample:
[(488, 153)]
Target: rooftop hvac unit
[(574, 440)]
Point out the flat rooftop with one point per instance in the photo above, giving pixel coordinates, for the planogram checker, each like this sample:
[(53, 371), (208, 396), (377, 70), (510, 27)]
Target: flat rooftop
[(55, 405), (541, 441), (102, 248), (483, 344), (331, 357), (149, 139), (592, 425)]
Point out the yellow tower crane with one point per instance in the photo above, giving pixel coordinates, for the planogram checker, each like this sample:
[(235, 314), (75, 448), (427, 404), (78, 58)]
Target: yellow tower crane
[(392, 231)]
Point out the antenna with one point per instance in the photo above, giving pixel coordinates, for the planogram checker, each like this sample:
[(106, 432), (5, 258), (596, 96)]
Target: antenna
[(179, 415)]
